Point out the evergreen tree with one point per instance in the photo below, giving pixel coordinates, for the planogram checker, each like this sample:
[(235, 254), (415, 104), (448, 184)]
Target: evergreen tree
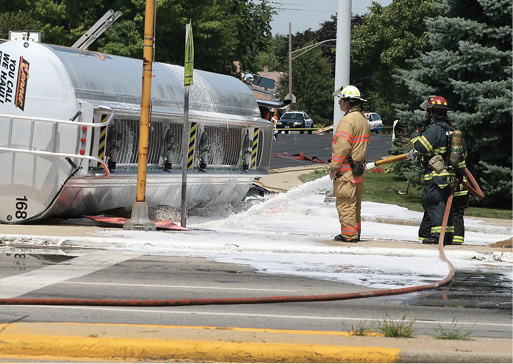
[(386, 38), (470, 65)]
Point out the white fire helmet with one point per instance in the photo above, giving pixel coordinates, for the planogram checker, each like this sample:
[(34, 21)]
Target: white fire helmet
[(350, 93)]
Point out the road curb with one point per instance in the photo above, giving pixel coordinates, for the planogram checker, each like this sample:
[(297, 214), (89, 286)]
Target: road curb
[(191, 350), (100, 342), (58, 340)]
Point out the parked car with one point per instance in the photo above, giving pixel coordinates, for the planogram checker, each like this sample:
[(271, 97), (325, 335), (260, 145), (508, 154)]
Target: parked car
[(375, 122), (295, 119)]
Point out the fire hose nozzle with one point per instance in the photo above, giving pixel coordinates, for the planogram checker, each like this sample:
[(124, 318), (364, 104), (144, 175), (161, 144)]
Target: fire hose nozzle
[(370, 165)]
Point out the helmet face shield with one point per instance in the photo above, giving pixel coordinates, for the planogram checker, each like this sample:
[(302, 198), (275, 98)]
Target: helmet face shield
[(337, 92), (424, 105)]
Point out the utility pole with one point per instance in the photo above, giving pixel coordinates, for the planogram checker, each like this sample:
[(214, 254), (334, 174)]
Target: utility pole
[(342, 55), (290, 63)]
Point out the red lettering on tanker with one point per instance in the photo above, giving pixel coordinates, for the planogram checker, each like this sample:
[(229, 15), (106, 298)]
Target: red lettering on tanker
[(21, 87)]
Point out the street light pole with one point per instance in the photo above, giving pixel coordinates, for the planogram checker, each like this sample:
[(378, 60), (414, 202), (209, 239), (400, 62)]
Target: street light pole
[(309, 48), (342, 54), (290, 63), (303, 51)]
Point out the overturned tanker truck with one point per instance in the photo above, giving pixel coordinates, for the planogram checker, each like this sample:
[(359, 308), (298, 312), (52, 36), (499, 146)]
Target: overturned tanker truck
[(69, 123)]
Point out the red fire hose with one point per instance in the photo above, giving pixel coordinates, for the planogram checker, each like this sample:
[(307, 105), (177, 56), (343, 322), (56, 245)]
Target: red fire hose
[(255, 300)]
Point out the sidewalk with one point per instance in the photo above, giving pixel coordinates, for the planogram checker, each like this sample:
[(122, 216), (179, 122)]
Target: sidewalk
[(283, 179)]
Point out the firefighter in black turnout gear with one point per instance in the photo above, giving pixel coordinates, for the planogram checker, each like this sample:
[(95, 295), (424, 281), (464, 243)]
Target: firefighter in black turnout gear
[(432, 148)]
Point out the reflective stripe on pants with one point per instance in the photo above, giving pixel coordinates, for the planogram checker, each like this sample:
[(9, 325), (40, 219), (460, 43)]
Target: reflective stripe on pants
[(349, 211)]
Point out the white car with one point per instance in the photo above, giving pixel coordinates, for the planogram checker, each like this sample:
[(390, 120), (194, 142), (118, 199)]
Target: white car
[(375, 122)]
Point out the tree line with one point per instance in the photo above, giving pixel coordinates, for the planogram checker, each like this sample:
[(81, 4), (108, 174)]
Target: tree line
[(224, 30)]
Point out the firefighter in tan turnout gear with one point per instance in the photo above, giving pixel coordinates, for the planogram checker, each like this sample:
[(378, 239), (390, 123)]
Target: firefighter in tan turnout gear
[(349, 148)]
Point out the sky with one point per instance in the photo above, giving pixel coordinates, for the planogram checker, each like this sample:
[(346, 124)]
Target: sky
[(305, 14), (292, 234)]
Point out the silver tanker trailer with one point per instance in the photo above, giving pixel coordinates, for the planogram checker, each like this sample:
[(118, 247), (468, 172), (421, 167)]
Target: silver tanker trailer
[(69, 123)]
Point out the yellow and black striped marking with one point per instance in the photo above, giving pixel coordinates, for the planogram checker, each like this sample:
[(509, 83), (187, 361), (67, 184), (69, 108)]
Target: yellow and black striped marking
[(192, 143), (102, 141), (254, 149)]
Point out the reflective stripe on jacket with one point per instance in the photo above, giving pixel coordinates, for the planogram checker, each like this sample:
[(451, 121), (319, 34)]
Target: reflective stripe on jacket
[(350, 140), (433, 141)]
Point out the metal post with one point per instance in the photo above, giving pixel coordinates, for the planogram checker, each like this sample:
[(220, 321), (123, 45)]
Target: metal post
[(342, 55), (290, 63), (188, 78), (140, 216), (185, 145)]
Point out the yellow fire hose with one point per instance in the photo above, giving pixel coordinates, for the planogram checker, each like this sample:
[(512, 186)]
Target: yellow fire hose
[(395, 158)]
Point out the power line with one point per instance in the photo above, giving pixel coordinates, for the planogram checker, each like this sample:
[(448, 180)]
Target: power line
[(280, 6), (298, 4)]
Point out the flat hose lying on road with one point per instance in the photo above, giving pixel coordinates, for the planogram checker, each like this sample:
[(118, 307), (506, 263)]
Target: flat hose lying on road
[(255, 300)]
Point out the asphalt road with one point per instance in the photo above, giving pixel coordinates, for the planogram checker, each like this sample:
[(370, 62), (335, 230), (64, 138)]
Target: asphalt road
[(287, 147), (119, 276)]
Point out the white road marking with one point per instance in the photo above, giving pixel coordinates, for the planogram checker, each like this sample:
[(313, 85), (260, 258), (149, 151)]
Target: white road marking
[(20, 284), (186, 287), (296, 317)]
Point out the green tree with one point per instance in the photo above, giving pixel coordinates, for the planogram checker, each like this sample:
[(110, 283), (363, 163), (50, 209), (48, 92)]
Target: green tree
[(386, 38), (253, 25), (324, 74), (224, 30), (276, 55), (63, 22), (125, 36), (328, 30), (312, 85), (470, 64), (17, 20)]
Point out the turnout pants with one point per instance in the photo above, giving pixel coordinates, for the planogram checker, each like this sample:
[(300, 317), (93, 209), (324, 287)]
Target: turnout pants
[(349, 202), (458, 207), (434, 200)]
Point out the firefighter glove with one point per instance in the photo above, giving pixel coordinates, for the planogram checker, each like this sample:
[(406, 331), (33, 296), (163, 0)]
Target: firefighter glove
[(412, 155)]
